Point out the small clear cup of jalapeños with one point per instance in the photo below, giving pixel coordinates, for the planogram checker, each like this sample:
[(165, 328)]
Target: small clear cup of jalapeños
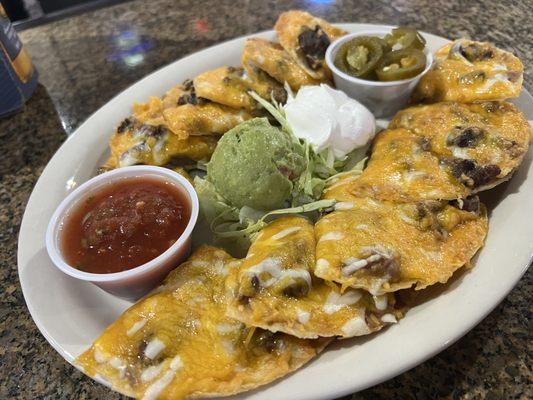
[(379, 68)]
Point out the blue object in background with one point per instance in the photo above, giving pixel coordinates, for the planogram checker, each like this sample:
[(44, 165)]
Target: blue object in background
[(10, 96), (18, 77)]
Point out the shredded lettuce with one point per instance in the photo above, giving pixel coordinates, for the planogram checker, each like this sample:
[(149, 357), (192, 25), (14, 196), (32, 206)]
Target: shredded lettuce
[(201, 165), (240, 225), (254, 227), (275, 109)]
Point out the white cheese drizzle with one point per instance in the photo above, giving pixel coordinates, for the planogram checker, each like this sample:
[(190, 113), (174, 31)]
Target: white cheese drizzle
[(158, 151), (119, 365), (375, 288), (381, 302), (270, 266), (343, 205), (303, 316), (99, 357), (224, 329), (336, 301), (389, 318), (353, 264), (154, 348), (331, 236), (356, 326), (229, 346), (297, 273), (407, 219), (410, 176), (459, 152), (285, 232), (489, 83), (199, 263), (155, 389), (136, 327), (151, 372), (321, 266)]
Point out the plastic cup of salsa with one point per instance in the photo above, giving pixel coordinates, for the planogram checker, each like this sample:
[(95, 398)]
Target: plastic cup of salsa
[(131, 281)]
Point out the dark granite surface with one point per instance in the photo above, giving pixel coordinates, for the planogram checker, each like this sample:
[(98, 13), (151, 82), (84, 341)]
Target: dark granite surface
[(84, 61)]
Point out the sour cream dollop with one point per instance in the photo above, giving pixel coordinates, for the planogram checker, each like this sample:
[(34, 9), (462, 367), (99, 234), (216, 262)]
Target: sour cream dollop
[(329, 119)]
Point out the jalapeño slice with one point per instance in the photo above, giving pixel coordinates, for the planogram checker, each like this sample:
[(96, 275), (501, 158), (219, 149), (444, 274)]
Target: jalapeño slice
[(360, 56), (405, 38), (401, 64)]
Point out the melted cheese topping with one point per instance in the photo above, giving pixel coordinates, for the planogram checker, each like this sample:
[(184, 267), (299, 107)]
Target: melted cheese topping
[(392, 253), (356, 327), (188, 130), (136, 327), (225, 85), (399, 170), (290, 25), (273, 61), (184, 350), (336, 301), (454, 78), (274, 289), (502, 132)]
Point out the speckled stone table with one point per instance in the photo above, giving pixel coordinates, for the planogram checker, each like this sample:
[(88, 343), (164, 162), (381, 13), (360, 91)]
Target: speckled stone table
[(85, 60)]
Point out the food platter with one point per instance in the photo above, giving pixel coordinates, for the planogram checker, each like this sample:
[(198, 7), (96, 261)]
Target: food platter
[(71, 314)]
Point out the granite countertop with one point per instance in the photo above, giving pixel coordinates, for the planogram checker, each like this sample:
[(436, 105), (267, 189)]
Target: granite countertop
[(85, 60)]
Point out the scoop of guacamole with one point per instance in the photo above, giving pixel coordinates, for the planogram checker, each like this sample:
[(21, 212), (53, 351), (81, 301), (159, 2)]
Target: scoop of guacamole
[(255, 165)]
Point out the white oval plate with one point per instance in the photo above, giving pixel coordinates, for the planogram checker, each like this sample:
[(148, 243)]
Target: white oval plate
[(71, 313)]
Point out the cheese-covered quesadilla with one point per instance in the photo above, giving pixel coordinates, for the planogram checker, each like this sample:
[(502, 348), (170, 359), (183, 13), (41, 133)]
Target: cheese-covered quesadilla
[(467, 71), (306, 38), (230, 86), (481, 143), (137, 143), (179, 125), (274, 288), (268, 60), (401, 168), (383, 247), (178, 343)]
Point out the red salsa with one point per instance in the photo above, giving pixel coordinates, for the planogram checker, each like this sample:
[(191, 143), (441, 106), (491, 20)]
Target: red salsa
[(124, 225)]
